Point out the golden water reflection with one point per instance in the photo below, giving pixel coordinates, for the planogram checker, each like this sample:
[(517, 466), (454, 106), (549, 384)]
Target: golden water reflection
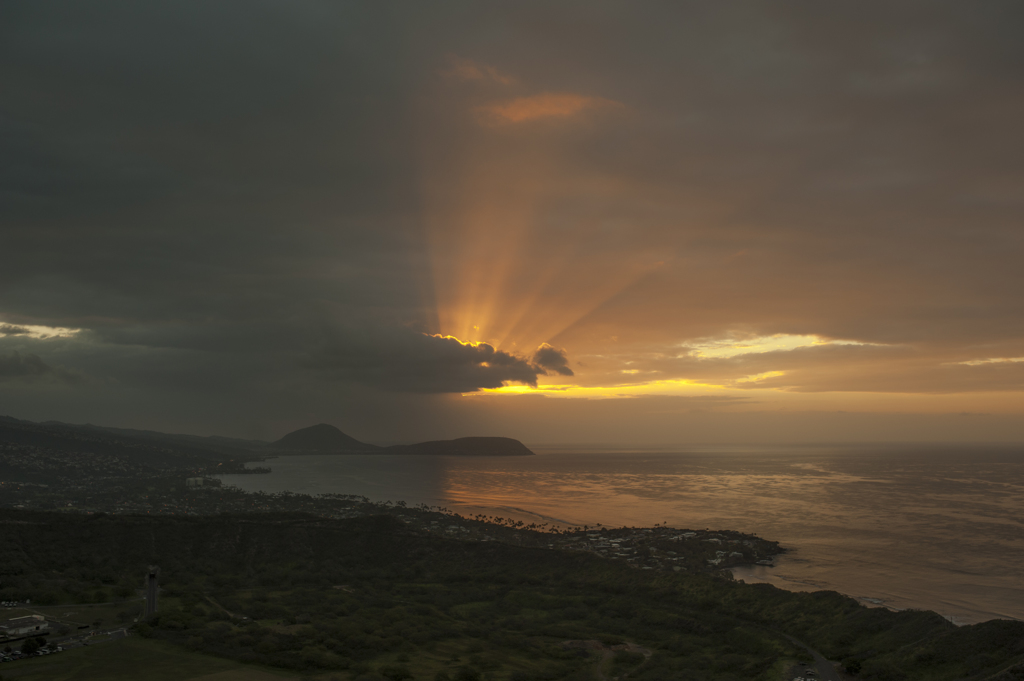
[(936, 529)]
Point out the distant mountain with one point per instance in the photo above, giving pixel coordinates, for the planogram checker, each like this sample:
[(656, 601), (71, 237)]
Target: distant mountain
[(152, 448), (54, 452), (226, 445), (215, 442), (322, 438), (465, 446)]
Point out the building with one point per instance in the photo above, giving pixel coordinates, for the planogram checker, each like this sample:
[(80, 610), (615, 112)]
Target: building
[(152, 589), (29, 625), (202, 482)]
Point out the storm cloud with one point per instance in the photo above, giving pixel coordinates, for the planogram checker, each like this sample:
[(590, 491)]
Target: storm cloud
[(418, 362), (276, 205)]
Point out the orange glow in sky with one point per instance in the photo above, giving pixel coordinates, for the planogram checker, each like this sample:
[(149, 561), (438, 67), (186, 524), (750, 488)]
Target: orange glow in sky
[(649, 286)]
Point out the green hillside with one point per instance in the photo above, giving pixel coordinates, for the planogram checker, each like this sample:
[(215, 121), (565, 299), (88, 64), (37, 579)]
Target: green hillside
[(368, 598)]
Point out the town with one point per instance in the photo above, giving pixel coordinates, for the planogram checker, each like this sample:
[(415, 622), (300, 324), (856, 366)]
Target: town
[(654, 548)]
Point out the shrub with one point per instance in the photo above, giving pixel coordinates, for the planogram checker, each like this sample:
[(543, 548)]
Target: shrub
[(467, 674), (395, 672)]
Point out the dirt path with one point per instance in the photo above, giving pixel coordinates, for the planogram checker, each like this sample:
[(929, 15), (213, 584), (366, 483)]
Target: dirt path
[(608, 653), (222, 608)]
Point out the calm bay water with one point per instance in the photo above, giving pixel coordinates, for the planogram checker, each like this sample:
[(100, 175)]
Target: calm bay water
[(937, 528)]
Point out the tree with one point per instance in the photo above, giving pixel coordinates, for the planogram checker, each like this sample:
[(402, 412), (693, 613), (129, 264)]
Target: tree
[(467, 674), (124, 591), (395, 672)]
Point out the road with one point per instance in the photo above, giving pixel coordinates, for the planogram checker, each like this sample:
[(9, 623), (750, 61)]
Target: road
[(826, 672)]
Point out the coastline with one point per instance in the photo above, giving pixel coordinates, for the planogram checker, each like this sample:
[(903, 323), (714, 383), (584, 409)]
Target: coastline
[(852, 526), (780, 576)]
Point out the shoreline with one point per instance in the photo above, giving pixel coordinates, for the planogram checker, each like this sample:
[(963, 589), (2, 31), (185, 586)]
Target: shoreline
[(758, 574), (825, 556)]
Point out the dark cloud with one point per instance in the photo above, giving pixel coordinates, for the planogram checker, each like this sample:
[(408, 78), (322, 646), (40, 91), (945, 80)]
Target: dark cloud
[(552, 360), (29, 367), (405, 360), (204, 188)]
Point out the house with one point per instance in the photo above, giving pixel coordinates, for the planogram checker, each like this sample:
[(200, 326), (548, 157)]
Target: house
[(24, 626)]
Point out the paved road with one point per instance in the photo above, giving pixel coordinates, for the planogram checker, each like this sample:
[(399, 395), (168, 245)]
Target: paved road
[(826, 672)]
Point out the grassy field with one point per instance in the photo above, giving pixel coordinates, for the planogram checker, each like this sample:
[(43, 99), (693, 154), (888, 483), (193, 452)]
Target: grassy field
[(137, 658), (132, 659), (240, 675)]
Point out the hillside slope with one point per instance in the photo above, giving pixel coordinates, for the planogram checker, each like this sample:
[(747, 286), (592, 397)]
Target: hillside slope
[(322, 438)]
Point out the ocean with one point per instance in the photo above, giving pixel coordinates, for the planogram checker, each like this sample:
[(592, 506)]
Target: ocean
[(928, 527)]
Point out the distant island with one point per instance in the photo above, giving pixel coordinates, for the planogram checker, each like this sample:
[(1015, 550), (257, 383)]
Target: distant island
[(326, 439), (466, 446)]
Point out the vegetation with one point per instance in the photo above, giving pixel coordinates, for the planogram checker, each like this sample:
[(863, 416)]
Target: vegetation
[(137, 658), (371, 598)]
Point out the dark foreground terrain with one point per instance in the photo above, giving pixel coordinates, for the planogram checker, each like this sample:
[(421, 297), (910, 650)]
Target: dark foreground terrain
[(376, 598)]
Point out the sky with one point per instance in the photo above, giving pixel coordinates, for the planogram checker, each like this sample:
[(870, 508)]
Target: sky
[(615, 223)]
